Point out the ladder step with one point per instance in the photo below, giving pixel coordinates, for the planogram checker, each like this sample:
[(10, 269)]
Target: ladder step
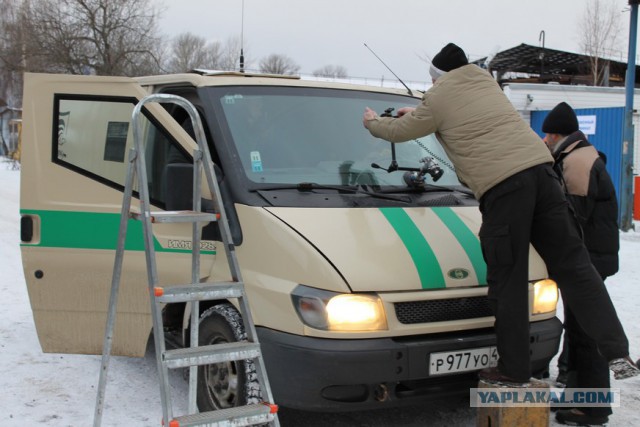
[(257, 413), (207, 354), (177, 216), (200, 292)]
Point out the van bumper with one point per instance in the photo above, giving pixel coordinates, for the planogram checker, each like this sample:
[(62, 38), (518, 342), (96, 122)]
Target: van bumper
[(318, 374)]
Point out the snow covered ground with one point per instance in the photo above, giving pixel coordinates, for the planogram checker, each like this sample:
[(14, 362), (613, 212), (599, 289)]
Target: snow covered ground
[(38, 389)]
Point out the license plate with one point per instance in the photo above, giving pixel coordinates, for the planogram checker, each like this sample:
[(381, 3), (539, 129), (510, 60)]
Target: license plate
[(471, 359)]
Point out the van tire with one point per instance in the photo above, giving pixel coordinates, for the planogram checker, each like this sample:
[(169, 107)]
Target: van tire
[(227, 384)]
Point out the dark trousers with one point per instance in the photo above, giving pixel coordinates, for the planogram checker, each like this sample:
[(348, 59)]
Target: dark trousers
[(582, 362), (530, 207), (587, 368)]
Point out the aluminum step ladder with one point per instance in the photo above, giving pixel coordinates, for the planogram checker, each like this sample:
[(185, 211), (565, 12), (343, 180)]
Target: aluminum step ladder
[(264, 412)]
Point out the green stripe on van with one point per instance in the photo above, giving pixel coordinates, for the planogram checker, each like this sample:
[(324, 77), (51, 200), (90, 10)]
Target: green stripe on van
[(421, 253), (91, 230), (467, 240)]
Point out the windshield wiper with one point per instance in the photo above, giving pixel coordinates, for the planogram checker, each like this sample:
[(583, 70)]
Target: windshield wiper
[(427, 188), (306, 186), (310, 186)]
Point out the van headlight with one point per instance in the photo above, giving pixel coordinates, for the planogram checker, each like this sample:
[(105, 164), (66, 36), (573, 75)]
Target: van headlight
[(331, 311), (545, 296)]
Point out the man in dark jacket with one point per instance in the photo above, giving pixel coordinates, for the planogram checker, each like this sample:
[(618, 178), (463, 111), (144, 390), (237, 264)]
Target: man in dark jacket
[(593, 200)]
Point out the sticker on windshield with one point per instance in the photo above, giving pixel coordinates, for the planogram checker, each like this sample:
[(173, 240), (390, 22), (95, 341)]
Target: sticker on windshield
[(256, 162)]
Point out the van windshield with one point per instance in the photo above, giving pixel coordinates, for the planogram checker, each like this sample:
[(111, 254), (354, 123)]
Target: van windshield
[(292, 135)]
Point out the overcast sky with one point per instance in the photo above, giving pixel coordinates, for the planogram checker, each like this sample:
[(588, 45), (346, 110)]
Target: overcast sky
[(315, 33)]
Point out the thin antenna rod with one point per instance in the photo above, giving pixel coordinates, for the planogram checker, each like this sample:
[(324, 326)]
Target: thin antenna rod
[(399, 79), (242, 40), (242, 28)]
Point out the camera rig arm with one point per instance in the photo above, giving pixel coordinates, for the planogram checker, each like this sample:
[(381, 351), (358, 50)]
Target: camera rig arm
[(413, 177)]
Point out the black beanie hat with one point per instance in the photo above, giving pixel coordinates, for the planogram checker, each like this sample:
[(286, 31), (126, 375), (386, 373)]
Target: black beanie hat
[(561, 120), (450, 58)]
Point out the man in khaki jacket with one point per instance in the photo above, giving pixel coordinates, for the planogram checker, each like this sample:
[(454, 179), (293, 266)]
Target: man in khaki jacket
[(509, 169)]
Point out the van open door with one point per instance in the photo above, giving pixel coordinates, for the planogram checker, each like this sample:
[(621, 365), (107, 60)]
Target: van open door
[(76, 137)]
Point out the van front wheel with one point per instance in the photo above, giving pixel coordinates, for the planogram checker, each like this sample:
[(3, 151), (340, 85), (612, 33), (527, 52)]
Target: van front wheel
[(226, 384)]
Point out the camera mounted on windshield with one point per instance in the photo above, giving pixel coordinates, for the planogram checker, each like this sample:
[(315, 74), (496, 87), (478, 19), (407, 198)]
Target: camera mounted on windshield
[(416, 179)]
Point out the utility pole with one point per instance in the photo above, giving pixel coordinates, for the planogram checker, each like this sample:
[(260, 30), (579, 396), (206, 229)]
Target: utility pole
[(626, 184)]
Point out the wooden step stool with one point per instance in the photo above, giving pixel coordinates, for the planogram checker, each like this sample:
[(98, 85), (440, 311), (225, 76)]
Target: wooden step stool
[(508, 416)]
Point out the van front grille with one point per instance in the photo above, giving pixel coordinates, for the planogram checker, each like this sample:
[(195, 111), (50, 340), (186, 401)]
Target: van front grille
[(442, 310)]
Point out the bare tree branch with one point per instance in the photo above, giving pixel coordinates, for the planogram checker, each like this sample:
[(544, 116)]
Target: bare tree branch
[(105, 37), (189, 52), (600, 35), (11, 52), (278, 64), (333, 71)]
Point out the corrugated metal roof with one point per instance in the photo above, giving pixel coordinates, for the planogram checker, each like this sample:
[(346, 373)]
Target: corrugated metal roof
[(550, 63)]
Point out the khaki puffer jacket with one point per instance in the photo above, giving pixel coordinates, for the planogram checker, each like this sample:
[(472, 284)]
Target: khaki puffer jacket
[(476, 124)]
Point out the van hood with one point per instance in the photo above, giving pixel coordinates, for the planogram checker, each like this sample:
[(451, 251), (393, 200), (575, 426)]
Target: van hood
[(396, 249)]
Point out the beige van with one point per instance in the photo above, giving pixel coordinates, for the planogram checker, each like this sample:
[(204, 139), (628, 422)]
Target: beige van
[(361, 261)]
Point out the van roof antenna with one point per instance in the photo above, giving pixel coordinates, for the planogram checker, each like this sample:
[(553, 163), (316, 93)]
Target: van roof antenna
[(399, 79), (242, 40)]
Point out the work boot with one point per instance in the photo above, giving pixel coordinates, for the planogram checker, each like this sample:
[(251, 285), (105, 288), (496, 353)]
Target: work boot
[(623, 368), (575, 417), (495, 377)]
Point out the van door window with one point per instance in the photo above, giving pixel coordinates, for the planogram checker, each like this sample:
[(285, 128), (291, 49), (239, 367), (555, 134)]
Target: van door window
[(93, 137)]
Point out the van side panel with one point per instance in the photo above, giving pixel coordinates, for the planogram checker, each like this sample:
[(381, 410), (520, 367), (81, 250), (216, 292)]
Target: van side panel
[(69, 167)]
